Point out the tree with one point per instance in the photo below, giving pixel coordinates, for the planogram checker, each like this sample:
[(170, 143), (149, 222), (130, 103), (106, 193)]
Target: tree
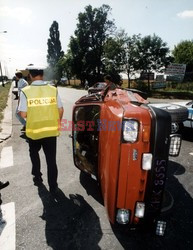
[(131, 55), (114, 55), (153, 55), (54, 46), (183, 53), (87, 46), (64, 66)]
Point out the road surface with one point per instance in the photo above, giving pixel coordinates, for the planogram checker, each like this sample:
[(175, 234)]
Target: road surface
[(77, 218)]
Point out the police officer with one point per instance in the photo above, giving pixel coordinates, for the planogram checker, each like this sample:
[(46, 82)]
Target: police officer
[(41, 105)]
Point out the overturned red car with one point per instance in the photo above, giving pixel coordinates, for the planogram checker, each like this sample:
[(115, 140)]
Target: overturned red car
[(125, 143)]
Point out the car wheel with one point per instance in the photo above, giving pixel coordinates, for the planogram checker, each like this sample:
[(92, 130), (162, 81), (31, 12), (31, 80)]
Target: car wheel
[(178, 113)]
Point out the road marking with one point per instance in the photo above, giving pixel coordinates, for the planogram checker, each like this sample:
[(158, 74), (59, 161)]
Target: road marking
[(7, 229), (191, 153), (6, 157)]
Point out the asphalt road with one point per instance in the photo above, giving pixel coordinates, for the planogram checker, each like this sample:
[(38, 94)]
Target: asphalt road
[(77, 219)]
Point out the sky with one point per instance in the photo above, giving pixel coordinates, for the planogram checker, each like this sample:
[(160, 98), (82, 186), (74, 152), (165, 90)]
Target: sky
[(27, 23)]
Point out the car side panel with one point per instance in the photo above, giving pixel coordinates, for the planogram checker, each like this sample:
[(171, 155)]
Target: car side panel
[(132, 179), (109, 148), (160, 142)]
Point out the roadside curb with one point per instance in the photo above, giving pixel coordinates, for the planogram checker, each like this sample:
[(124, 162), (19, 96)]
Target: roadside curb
[(6, 124)]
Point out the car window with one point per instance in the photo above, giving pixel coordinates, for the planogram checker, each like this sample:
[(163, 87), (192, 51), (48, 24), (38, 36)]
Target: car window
[(85, 137), (96, 85), (99, 85), (102, 85)]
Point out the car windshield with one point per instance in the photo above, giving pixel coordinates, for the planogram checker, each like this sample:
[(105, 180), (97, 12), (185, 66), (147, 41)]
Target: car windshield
[(85, 134), (99, 85)]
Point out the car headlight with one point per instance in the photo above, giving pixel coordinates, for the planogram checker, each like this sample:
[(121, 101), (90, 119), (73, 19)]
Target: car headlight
[(130, 130), (123, 216), (175, 144), (140, 209), (146, 161)]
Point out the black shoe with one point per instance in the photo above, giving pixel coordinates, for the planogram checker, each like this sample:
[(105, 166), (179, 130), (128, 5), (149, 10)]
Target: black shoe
[(37, 180), (23, 129), (3, 184)]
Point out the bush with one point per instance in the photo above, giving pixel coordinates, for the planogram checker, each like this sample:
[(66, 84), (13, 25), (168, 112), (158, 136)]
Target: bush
[(141, 85)]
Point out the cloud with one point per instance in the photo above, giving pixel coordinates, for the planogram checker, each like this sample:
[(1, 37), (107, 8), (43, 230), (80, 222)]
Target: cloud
[(19, 13), (186, 14)]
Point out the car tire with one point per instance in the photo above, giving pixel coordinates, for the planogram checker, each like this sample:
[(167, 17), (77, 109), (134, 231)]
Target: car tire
[(181, 127), (177, 112)]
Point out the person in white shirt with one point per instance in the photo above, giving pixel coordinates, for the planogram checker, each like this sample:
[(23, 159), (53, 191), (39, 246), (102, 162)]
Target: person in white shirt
[(21, 84)]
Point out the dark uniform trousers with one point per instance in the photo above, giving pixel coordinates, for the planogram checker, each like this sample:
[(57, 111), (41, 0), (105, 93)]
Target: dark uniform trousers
[(49, 147)]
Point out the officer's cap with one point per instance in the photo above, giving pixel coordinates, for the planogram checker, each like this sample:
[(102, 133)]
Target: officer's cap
[(35, 70), (18, 74), (35, 67)]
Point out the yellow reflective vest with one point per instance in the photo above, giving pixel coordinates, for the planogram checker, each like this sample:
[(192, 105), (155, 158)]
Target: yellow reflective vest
[(42, 111)]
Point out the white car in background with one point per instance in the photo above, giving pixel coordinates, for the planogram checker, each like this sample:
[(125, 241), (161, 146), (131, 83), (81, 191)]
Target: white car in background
[(189, 105)]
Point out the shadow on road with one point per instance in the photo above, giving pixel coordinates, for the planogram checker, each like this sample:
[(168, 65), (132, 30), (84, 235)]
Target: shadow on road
[(2, 221), (91, 186), (179, 230), (70, 222), (187, 134)]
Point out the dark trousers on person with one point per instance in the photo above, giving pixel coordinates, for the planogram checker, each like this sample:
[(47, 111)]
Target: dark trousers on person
[(49, 148)]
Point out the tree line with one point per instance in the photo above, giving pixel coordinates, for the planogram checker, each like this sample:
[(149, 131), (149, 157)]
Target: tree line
[(97, 48)]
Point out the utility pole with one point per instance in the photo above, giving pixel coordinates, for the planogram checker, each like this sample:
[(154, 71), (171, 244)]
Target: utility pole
[(0, 65), (2, 76)]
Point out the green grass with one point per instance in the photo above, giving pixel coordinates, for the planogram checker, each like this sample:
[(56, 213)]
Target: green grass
[(176, 90), (75, 84), (182, 90), (175, 94), (4, 92)]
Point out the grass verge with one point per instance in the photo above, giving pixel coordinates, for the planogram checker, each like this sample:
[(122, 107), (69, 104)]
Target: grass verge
[(185, 95), (4, 92)]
